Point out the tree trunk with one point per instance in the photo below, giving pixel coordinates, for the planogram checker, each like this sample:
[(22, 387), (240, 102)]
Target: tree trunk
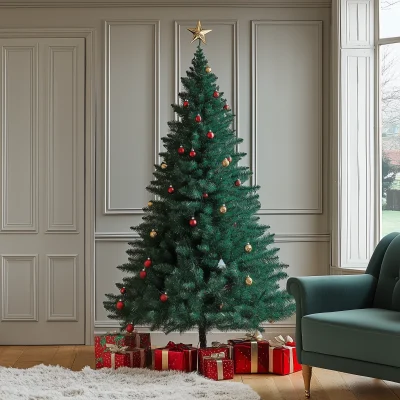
[(202, 337)]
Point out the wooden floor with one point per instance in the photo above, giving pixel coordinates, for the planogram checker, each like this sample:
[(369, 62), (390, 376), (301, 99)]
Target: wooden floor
[(326, 385)]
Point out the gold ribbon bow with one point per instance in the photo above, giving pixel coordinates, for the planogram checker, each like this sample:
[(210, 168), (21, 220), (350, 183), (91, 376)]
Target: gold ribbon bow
[(255, 335), (215, 356), (114, 348)]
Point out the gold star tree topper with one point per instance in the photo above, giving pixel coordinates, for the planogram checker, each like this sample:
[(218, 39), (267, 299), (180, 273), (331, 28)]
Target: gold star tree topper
[(199, 33)]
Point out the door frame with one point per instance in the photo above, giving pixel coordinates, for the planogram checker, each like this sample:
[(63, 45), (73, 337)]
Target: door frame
[(89, 34)]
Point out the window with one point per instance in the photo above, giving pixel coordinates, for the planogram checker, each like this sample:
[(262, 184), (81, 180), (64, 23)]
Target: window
[(388, 51)]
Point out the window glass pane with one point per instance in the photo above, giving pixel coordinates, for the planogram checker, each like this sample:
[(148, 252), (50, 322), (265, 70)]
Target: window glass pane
[(390, 131), (389, 18)]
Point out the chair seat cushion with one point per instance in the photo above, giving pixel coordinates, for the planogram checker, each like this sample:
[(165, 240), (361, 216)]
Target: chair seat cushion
[(370, 334)]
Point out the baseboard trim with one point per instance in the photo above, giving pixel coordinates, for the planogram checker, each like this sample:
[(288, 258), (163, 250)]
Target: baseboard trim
[(159, 338)]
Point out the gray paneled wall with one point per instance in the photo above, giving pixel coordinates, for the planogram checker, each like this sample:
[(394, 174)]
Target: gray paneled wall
[(273, 65), (274, 72)]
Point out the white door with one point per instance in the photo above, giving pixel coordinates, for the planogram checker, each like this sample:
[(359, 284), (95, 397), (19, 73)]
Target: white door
[(42, 191)]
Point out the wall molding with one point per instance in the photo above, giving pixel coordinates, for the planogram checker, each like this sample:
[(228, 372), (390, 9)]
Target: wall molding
[(28, 226), (52, 225), (160, 3), (235, 42), (254, 133), (346, 271), (278, 238), (34, 281), (108, 209), (51, 315)]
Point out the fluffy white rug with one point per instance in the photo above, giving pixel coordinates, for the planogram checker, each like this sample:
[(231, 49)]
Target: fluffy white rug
[(55, 383)]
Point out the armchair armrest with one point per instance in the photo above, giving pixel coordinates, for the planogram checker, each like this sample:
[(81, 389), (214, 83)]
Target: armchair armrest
[(316, 294)]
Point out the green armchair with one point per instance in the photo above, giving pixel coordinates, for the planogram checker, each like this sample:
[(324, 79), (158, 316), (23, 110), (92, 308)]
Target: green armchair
[(351, 323)]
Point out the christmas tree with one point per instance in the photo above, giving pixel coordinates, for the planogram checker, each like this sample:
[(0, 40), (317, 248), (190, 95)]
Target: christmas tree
[(202, 258)]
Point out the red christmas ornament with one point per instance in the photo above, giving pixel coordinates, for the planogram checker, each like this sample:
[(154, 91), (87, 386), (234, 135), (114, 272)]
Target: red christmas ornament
[(120, 305), (198, 118), (192, 222), (164, 297), (205, 195), (171, 189), (148, 263), (130, 328), (181, 150), (238, 182), (229, 159), (122, 290), (192, 153), (210, 135), (216, 94), (186, 103), (226, 107), (143, 274)]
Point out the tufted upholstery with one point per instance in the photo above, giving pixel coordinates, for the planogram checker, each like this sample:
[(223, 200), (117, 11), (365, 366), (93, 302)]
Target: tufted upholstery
[(387, 293)]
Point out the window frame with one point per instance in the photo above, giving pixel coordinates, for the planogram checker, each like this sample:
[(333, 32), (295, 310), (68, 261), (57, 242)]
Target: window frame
[(378, 43)]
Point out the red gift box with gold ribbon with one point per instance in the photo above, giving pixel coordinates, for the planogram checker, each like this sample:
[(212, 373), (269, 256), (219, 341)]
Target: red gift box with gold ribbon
[(121, 339), (250, 354), (217, 367), (282, 356), (178, 357), (216, 348), (120, 356)]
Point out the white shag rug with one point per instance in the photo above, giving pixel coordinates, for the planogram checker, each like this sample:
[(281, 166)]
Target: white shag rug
[(55, 383)]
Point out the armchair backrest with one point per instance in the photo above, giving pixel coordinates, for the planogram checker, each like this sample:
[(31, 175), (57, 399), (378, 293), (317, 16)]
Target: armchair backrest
[(385, 266)]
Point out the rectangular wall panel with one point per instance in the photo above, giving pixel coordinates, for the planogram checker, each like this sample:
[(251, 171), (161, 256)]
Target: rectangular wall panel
[(62, 112), (62, 287), (357, 159), (358, 21), (19, 132), (19, 273), (110, 252), (287, 115), (132, 129), (221, 51)]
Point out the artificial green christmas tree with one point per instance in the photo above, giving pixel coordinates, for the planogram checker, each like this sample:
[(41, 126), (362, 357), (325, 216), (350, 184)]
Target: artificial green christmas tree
[(202, 260)]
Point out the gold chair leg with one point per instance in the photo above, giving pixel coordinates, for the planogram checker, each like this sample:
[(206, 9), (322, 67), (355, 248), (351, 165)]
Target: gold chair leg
[(307, 372)]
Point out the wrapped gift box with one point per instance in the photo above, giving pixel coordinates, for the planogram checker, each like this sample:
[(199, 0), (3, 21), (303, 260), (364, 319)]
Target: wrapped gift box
[(116, 360), (282, 356), (226, 350), (218, 368), (179, 357), (130, 340), (250, 356)]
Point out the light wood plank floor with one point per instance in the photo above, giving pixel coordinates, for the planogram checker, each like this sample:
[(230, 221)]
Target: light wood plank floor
[(326, 385)]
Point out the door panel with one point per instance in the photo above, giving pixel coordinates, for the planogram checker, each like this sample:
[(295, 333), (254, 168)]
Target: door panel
[(42, 191)]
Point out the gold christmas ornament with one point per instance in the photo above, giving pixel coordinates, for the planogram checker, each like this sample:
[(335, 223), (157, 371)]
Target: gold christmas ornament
[(164, 165), (249, 281), (221, 306), (225, 162), (153, 233), (248, 247), (149, 204), (208, 69), (223, 209), (199, 33)]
